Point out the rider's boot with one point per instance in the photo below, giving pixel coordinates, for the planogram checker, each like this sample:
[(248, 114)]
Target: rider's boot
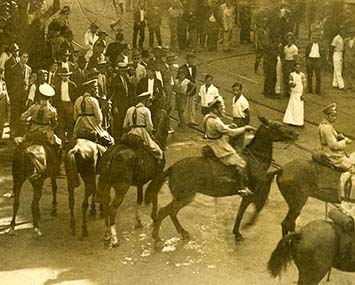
[(242, 189)]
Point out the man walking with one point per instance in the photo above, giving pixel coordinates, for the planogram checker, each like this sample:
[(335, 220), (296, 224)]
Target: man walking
[(336, 51), (139, 18)]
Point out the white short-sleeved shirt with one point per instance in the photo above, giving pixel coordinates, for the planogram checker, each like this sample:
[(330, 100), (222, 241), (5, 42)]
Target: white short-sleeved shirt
[(338, 43), (239, 106), (290, 52)]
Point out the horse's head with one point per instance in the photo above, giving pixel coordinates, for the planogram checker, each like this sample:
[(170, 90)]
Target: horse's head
[(162, 127), (278, 132)]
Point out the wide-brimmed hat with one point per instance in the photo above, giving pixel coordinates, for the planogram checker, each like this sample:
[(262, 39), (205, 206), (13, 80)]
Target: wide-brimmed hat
[(122, 66), (102, 62), (46, 90), (65, 72), (144, 95), (65, 10), (331, 108), (65, 52), (42, 71), (91, 81)]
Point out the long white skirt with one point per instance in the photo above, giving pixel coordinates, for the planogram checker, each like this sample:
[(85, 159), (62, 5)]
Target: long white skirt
[(294, 114)]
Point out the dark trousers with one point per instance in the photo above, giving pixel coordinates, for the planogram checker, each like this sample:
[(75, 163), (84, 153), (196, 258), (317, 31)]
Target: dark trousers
[(258, 58), (313, 65), (212, 35), (16, 126), (138, 29), (65, 121), (269, 75), (245, 32), (287, 68), (155, 31)]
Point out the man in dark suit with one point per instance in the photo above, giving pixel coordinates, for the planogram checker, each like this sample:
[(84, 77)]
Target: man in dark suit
[(64, 64), (315, 55), (20, 76), (64, 99), (139, 18), (154, 86), (122, 98), (80, 74), (115, 48), (190, 70)]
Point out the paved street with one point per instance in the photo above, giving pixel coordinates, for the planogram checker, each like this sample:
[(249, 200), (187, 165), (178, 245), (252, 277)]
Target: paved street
[(212, 255)]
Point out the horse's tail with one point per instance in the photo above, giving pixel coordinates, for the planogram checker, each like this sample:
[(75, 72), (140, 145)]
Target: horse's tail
[(264, 189), (282, 254), (155, 186), (71, 168)]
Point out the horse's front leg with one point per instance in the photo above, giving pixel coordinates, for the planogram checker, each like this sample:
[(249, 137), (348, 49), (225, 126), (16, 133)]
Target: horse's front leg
[(16, 204), (54, 196), (71, 201), (242, 208), (138, 206)]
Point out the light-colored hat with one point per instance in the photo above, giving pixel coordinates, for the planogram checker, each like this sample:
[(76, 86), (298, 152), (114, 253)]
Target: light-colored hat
[(91, 81), (65, 72), (144, 95), (331, 108), (65, 10), (46, 90), (122, 66)]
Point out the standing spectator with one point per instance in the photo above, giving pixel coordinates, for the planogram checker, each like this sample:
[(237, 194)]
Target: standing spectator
[(115, 48), (212, 25), (244, 21), (64, 62), (174, 12), (173, 68), (190, 71), (90, 38), (349, 58), (315, 55), (121, 99), (153, 85), (208, 92), (289, 56), (4, 102), (62, 22), (52, 72), (336, 51), (181, 86), (139, 69), (182, 23), (154, 21), (64, 99), (139, 18), (34, 94), (101, 40), (80, 74), (294, 114), (270, 62), (262, 40), (228, 16), (123, 56), (67, 44), (20, 77), (241, 114)]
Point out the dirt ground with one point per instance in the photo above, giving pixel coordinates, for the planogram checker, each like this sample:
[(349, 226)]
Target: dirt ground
[(210, 257)]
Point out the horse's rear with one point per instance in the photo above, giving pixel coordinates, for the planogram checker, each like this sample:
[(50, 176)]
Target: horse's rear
[(313, 249), (296, 182)]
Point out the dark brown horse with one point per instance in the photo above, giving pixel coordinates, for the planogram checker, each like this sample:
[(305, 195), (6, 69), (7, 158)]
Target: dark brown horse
[(82, 159), (315, 249), (123, 166), (210, 177), (297, 181), (23, 169)]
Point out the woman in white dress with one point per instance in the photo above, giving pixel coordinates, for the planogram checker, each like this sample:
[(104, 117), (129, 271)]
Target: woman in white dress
[(295, 109)]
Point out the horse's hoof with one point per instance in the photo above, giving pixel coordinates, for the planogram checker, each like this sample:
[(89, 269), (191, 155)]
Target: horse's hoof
[(37, 232), (12, 232), (158, 245), (138, 225), (185, 236), (54, 213), (238, 237)]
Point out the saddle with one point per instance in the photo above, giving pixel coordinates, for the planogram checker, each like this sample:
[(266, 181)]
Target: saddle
[(320, 158)]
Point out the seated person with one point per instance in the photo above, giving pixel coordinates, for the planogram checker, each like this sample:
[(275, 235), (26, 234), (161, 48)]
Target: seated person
[(219, 134), (139, 122), (88, 116), (333, 144)]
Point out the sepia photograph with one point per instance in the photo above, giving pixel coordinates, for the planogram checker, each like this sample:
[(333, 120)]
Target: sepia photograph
[(177, 142)]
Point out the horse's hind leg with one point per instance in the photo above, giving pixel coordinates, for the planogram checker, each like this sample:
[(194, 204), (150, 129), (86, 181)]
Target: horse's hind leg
[(163, 213), (71, 201), (18, 182), (312, 275), (242, 208), (138, 206), (54, 198), (177, 205), (90, 189), (294, 210), (37, 185)]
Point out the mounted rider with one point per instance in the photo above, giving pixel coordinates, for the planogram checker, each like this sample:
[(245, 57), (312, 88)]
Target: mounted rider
[(218, 133), (139, 122), (88, 116), (42, 119), (333, 144)]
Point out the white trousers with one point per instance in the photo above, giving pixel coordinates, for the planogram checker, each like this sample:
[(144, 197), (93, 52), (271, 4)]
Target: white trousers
[(338, 80)]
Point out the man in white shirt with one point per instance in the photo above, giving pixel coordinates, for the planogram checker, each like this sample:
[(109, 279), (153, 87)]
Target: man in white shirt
[(336, 50), (241, 115), (90, 38), (208, 92)]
